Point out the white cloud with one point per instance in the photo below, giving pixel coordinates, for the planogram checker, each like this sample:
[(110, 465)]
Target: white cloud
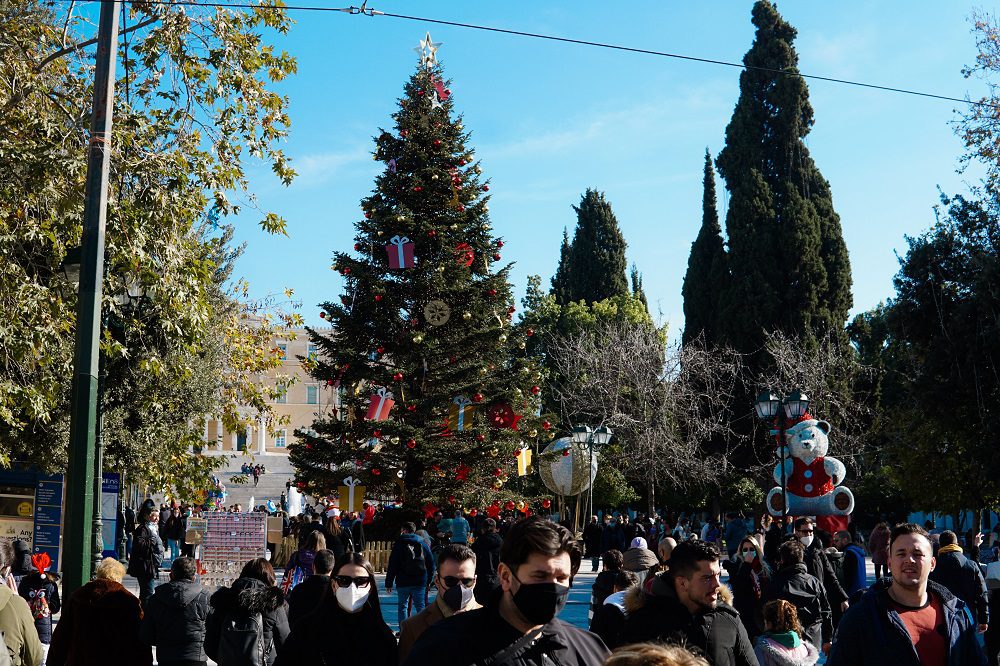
[(318, 168)]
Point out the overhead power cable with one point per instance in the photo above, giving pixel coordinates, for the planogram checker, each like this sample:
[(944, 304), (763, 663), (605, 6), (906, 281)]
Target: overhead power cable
[(368, 11)]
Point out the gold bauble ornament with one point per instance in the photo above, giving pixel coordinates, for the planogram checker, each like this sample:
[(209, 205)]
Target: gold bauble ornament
[(538, 375), (466, 315), (552, 435), (434, 176), (522, 344), (483, 371), (518, 392), (379, 233), (418, 338), (494, 452), (459, 127), (520, 506), (478, 169), (503, 337), (440, 269), (454, 227), (394, 439), (532, 433), (400, 218), (498, 484)]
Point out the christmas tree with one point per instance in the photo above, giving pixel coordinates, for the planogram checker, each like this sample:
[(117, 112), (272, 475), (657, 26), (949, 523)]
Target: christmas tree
[(438, 396)]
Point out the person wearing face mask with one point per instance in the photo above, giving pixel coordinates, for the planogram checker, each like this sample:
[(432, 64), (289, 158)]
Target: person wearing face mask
[(818, 563), (455, 581), (795, 585), (686, 606), (749, 575), (907, 619), (347, 627), (518, 625)]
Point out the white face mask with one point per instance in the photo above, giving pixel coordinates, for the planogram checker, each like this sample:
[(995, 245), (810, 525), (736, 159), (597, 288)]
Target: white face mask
[(352, 598), (806, 540)]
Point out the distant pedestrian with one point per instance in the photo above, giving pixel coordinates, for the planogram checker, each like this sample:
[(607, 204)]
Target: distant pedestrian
[(459, 529), (175, 617), (592, 542), (147, 553), (639, 559), (736, 529), (487, 550), (410, 571), (853, 570), (99, 623), (613, 561), (749, 576), (299, 565), (21, 565), (41, 590), (6, 558), (878, 546)]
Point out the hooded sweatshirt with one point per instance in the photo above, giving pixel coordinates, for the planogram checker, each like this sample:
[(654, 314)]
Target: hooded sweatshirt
[(18, 629), (175, 621)]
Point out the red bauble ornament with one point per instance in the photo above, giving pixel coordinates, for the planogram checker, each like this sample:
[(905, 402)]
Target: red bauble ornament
[(509, 505), (368, 216), (546, 503), (376, 471), (432, 233), (477, 397), (535, 390), (530, 332), (309, 447), (480, 438), (417, 188), (357, 246), (461, 163), (512, 309), (411, 443), (347, 271), (420, 91), (411, 408), (451, 499), (496, 256), (402, 132), (377, 433), (378, 298), (398, 377), (345, 300), (546, 425), (473, 513), (380, 350), (322, 315), (329, 382), (492, 292), (437, 142), (486, 188), (499, 243), (461, 208), (566, 453), (300, 485), (498, 472)]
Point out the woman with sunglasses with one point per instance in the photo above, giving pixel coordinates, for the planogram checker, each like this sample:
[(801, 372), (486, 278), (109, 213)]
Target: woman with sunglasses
[(347, 626), (749, 574)]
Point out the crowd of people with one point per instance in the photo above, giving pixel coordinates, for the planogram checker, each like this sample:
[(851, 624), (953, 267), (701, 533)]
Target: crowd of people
[(474, 589), (253, 471)]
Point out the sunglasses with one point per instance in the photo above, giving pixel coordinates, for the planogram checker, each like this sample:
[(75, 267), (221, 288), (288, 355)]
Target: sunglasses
[(452, 581), (360, 581), (749, 552), (803, 531)]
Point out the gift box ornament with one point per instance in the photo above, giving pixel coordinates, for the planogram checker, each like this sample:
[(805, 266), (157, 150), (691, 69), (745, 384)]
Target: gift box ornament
[(460, 413), (352, 494), (379, 405), (524, 461), (400, 252)]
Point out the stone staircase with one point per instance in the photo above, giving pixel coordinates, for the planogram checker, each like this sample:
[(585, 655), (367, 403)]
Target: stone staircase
[(270, 486)]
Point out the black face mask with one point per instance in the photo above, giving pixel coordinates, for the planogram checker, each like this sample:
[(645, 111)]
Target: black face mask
[(540, 602), (457, 597)]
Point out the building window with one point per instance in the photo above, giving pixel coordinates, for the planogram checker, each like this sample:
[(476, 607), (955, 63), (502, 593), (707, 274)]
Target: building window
[(312, 394), (312, 352), (282, 396), (284, 350), (279, 439)]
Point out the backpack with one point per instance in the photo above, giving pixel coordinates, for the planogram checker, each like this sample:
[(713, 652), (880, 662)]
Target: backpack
[(145, 560), (241, 641), (413, 560)]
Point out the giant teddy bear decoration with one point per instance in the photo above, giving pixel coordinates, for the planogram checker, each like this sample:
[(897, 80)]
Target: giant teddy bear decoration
[(813, 479)]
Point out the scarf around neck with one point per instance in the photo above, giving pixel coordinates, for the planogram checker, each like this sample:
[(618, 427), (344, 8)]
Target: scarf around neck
[(950, 548)]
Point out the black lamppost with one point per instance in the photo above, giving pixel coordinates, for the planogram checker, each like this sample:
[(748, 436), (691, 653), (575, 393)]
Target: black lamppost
[(768, 407), (591, 437)]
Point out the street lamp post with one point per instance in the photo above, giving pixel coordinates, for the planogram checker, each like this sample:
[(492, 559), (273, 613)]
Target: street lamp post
[(591, 437), (768, 407)]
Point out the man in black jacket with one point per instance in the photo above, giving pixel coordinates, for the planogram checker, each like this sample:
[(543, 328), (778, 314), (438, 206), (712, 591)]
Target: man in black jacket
[(592, 542), (684, 607), (518, 626), (175, 615), (907, 619), (962, 577), (818, 563), (794, 584), (305, 597)]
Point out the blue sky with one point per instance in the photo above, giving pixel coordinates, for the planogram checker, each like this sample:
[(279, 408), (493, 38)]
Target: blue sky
[(550, 120)]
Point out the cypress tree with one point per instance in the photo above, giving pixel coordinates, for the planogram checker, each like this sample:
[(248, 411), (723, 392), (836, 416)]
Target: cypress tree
[(785, 244), (637, 291), (597, 255), (707, 279), (561, 279)]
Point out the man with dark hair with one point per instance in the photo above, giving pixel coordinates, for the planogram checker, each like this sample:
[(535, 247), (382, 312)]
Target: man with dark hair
[(518, 625), (962, 577), (306, 596), (795, 585), (455, 581), (411, 568), (487, 550), (683, 607), (853, 572), (907, 619), (818, 563), (174, 620)]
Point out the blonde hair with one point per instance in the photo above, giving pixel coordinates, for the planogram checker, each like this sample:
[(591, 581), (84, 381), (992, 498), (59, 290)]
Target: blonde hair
[(110, 569), (750, 539), (781, 616), (652, 654)]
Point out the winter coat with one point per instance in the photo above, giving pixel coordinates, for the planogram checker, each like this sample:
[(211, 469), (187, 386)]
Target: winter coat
[(602, 588), (99, 625), (145, 567), (639, 559), (460, 531), (735, 531), (592, 540), (609, 620), (487, 550), (306, 596), (175, 621), (747, 597), (42, 594), (854, 571), (413, 627), (612, 538), (248, 595), (396, 575), (18, 629), (338, 543), (660, 617), (878, 546), (358, 536), (818, 564), (21, 566), (476, 636), (772, 653), (871, 633), (330, 636), (805, 592), (963, 578)]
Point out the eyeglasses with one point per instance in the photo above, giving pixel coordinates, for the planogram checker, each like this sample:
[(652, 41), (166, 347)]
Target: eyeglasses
[(803, 531), (452, 581), (360, 581)]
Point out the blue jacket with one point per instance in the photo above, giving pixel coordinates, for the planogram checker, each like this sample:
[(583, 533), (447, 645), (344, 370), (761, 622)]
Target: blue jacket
[(854, 570), (402, 571), (871, 633)]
